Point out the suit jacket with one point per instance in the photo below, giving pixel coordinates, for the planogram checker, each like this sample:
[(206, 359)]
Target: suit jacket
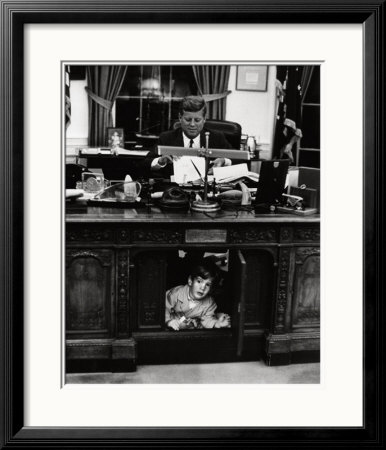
[(174, 138)]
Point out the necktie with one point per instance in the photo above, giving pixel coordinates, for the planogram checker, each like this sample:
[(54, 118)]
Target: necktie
[(191, 143)]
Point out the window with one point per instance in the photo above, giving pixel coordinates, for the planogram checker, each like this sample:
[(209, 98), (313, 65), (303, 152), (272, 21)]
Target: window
[(309, 152), (148, 102)]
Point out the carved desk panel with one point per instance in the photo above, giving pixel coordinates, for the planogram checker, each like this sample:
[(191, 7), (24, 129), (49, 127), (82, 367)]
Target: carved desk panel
[(119, 266)]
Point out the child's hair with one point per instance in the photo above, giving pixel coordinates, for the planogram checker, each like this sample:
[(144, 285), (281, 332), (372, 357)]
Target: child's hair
[(206, 268)]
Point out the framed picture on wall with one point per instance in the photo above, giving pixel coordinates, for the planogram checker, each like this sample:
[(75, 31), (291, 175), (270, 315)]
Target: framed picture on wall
[(252, 78)]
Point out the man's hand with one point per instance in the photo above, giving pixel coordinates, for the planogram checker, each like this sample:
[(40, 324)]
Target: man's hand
[(164, 160), (219, 162)]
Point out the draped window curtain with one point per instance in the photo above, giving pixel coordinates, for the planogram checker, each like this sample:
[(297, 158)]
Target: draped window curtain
[(306, 79), (212, 82), (103, 86)]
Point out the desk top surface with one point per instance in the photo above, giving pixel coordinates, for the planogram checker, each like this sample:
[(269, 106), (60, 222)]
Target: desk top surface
[(156, 215)]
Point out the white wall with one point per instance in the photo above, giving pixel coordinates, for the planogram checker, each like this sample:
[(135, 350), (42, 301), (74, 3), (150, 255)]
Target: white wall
[(253, 110), (77, 131)]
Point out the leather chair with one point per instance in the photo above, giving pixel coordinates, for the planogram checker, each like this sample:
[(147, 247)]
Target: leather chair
[(74, 174), (231, 130)]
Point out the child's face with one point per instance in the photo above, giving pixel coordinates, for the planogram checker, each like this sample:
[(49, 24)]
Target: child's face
[(199, 287)]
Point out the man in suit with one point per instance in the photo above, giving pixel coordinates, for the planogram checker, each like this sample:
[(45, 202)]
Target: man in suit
[(191, 134)]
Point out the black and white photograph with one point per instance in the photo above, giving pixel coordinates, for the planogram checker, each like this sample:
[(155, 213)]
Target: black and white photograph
[(197, 259), (116, 139), (199, 229)]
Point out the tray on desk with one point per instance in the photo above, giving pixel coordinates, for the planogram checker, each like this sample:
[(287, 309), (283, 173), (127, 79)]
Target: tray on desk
[(111, 203)]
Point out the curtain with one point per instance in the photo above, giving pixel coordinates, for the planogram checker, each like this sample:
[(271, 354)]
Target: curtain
[(103, 86), (67, 96), (288, 118), (306, 79), (212, 82)]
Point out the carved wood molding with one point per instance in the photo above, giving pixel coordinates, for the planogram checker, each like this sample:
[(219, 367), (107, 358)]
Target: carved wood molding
[(158, 236), (286, 234), (89, 235), (93, 319), (308, 315), (103, 256), (122, 294), (300, 336), (88, 343), (253, 234), (288, 337), (307, 234), (282, 297), (303, 253), (124, 235)]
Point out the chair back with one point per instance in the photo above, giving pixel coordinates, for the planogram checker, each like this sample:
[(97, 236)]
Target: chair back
[(74, 174), (231, 130)]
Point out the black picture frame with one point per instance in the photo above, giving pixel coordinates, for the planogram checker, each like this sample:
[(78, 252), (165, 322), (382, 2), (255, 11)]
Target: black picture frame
[(120, 132), (15, 14)]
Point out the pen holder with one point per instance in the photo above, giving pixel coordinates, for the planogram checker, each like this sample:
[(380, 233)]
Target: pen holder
[(251, 145), (92, 182), (131, 191), (125, 192)]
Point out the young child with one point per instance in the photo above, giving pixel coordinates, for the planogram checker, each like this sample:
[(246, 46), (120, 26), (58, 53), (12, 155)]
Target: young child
[(190, 305)]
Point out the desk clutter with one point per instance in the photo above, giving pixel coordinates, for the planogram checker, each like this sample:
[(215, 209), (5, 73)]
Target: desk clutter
[(272, 190)]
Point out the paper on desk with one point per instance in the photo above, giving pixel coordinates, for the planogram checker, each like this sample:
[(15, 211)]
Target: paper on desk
[(230, 174), (236, 171), (184, 170), (123, 151)]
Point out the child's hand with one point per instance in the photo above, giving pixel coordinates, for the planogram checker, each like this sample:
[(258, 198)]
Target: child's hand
[(188, 324), (175, 324), (223, 321)]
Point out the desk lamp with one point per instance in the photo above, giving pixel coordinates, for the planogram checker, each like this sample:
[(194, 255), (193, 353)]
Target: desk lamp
[(205, 205)]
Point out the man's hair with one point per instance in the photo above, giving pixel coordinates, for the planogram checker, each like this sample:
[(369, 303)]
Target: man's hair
[(193, 103), (206, 268)]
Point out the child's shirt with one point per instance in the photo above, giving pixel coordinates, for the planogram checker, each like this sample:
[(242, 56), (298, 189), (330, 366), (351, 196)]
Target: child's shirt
[(178, 304)]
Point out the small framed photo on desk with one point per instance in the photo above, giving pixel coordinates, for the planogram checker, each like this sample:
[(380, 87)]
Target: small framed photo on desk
[(115, 138), (252, 78)]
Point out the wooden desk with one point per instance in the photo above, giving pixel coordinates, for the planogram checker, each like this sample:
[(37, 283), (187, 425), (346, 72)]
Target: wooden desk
[(117, 272)]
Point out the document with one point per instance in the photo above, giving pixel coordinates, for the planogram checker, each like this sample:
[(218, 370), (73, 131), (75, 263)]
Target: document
[(188, 168), (107, 151), (229, 174), (123, 151)]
